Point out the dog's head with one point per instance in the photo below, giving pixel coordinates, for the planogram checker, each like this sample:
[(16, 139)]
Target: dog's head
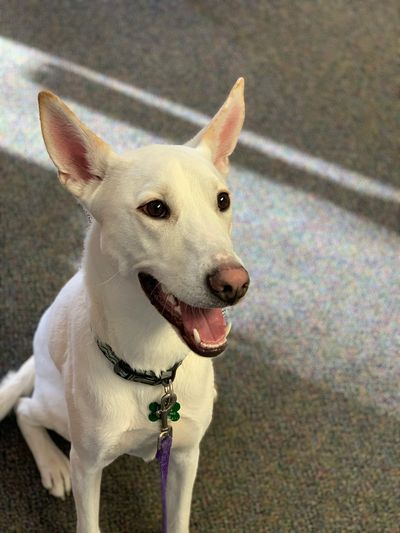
[(164, 212)]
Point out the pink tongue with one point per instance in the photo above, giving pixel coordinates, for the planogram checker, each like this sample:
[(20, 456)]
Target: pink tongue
[(209, 323)]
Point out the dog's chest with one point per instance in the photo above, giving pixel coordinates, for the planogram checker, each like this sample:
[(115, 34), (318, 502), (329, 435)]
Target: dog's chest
[(130, 430), (112, 421), (140, 436)]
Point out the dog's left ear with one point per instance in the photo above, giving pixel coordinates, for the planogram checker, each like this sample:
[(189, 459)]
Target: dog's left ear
[(220, 136)]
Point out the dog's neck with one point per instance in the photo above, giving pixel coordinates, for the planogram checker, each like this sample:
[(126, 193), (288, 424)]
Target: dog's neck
[(122, 316)]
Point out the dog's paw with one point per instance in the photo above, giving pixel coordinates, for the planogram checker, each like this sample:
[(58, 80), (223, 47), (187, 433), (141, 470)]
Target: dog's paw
[(55, 474)]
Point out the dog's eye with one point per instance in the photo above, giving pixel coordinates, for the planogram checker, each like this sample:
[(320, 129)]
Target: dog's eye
[(156, 209), (223, 201)]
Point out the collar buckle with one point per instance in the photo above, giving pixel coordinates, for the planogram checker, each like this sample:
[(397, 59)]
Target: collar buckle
[(168, 376)]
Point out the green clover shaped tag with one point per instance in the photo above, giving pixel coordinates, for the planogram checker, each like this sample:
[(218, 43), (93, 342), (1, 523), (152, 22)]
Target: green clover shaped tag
[(173, 414)]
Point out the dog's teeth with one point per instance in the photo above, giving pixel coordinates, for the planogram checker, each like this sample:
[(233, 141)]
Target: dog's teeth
[(196, 336), (228, 329), (172, 300), (225, 312), (212, 345)]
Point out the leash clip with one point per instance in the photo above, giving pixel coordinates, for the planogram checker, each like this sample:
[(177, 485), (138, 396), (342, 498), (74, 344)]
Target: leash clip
[(167, 403)]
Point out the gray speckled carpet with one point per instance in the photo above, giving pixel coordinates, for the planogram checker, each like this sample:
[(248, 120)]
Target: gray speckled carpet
[(306, 433)]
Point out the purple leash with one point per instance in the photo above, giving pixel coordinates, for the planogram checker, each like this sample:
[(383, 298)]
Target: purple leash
[(169, 407), (162, 456)]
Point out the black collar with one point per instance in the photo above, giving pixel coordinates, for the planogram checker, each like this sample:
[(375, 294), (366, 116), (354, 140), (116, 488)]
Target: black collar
[(124, 370)]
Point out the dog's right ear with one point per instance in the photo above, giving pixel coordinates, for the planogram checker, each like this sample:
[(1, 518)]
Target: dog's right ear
[(79, 155)]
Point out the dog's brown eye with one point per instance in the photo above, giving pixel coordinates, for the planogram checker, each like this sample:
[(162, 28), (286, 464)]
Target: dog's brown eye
[(223, 201), (156, 209)]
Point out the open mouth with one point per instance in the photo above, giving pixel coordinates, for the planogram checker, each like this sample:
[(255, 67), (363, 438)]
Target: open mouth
[(203, 330)]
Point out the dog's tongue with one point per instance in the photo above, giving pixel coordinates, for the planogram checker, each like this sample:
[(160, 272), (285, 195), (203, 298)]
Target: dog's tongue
[(209, 323)]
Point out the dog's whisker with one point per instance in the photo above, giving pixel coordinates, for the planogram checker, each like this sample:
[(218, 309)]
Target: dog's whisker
[(165, 304), (152, 292), (109, 279), (136, 266)]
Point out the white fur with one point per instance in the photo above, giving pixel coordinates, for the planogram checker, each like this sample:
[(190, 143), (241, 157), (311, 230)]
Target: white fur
[(76, 392)]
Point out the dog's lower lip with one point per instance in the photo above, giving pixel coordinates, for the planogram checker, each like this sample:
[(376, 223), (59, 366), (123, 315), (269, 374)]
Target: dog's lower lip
[(169, 307)]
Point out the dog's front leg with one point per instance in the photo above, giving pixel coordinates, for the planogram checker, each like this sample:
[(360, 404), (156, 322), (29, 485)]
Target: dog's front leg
[(181, 477), (86, 480)]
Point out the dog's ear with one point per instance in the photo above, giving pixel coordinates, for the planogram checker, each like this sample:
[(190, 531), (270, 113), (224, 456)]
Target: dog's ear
[(220, 136), (79, 155)]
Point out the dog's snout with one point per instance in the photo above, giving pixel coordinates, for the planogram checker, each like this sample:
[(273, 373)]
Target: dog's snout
[(229, 283)]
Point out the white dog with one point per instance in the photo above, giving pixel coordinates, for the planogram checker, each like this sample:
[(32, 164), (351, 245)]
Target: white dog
[(158, 267)]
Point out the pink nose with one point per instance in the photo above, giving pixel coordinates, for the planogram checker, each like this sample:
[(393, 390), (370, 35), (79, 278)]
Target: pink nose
[(229, 283)]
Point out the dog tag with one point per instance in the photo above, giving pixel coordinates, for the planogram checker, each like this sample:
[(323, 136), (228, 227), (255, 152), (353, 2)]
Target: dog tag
[(155, 413)]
